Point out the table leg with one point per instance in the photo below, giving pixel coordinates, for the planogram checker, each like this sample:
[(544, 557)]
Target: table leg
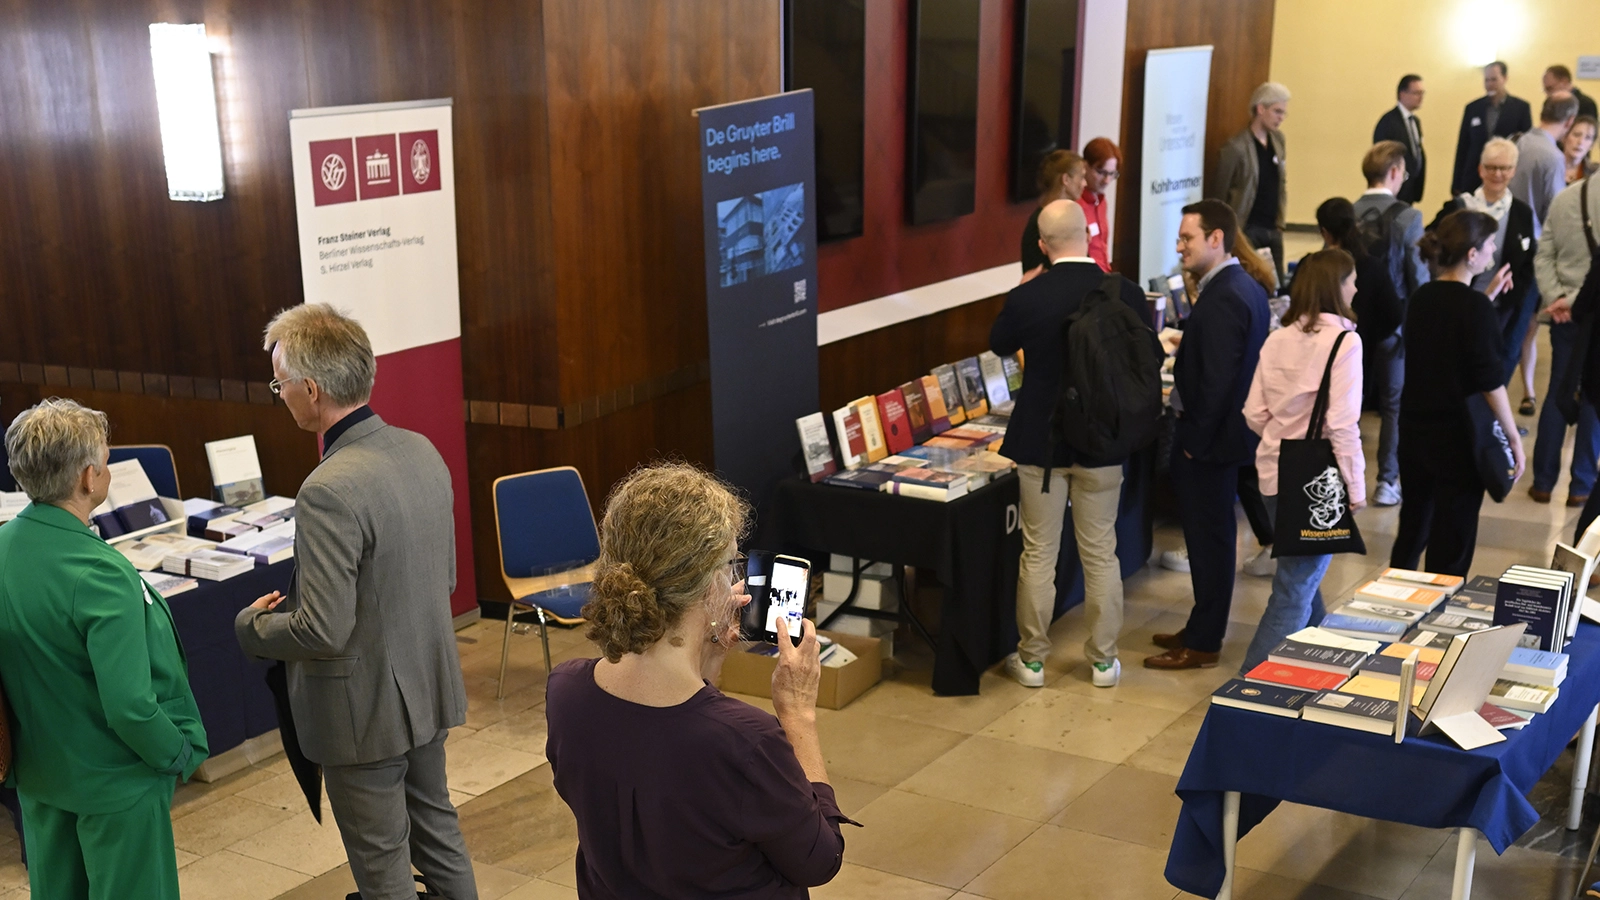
[(1230, 840), (1580, 771), (1466, 857)]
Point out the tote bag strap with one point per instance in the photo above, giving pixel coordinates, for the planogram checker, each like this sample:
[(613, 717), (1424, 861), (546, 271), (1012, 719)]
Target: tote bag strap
[(1319, 410)]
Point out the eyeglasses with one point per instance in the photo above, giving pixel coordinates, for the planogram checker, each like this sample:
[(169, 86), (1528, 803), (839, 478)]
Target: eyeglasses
[(1109, 176), (276, 385), (737, 567), (1500, 170)]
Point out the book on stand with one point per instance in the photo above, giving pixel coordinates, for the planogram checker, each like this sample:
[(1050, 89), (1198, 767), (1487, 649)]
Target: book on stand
[(871, 428), (1538, 598), (1012, 365), (994, 378), (847, 433), (970, 378), (917, 411), (950, 389), (235, 470), (814, 445), (133, 498), (896, 425), (1581, 566), (938, 405)]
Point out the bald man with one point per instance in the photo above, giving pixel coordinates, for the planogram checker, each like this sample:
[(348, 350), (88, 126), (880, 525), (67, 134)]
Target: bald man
[(1032, 321)]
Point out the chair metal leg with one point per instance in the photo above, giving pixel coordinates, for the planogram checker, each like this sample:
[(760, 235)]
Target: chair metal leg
[(505, 650), (544, 637)]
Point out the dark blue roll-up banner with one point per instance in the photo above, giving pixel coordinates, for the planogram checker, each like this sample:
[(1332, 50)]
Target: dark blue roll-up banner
[(758, 185)]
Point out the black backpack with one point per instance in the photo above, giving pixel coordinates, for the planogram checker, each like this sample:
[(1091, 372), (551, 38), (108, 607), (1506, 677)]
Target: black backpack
[(1386, 243), (1110, 400)]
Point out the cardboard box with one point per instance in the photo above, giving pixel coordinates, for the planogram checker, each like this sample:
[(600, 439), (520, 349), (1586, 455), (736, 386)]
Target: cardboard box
[(875, 591), (845, 564), (751, 673)]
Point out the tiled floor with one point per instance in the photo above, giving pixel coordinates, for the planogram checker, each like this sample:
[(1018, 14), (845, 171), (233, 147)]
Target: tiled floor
[(1015, 793)]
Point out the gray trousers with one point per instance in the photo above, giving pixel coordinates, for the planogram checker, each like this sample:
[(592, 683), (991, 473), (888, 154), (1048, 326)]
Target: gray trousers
[(396, 813), (1391, 372)]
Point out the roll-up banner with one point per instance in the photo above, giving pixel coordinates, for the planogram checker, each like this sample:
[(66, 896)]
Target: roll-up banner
[(1173, 162), (758, 187), (375, 198)]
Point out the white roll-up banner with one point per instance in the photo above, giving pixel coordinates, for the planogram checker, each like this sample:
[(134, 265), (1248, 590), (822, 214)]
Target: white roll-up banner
[(1173, 159)]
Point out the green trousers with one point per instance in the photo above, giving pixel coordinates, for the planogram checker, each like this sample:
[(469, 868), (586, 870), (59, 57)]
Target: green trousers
[(114, 856)]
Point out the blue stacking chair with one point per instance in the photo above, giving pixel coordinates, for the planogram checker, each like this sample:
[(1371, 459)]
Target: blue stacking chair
[(158, 466), (548, 546)]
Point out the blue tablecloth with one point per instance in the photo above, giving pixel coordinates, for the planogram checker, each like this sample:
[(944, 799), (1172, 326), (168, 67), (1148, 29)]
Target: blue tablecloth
[(1425, 781), (229, 688)]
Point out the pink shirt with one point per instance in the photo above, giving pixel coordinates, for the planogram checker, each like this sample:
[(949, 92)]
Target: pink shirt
[(1094, 210), (1285, 388)]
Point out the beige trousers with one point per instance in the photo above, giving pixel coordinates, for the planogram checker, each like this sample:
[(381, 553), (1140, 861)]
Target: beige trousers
[(1094, 495)]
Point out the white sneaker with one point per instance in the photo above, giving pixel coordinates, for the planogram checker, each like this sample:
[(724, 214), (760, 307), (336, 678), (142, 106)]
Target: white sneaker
[(1262, 565), (1107, 674), (1386, 495), (1027, 674), (1176, 560)]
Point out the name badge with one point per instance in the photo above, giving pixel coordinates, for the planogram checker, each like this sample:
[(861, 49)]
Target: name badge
[(1525, 240), (1275, 160), (1094, 229), (1476, 121)]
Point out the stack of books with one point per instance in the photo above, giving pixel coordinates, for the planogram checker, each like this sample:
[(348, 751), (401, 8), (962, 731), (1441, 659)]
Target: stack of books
[(1385, 608), (273, 545), (211, 565), (1548, 600), (168, 585)]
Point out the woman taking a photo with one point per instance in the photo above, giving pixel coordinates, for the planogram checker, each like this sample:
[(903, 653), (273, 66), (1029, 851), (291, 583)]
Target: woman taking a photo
[(680, 791), (1279, 407), (1061, 177), (1453, 350)]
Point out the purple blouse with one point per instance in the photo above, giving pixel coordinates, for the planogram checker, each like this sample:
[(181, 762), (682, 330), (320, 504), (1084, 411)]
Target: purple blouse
[(702, 799)]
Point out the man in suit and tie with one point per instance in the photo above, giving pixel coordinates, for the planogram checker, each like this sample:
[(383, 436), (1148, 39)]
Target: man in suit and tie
[(374, 679), (1216, 362), (1558, 80), (1495, 114), (1402, 125)]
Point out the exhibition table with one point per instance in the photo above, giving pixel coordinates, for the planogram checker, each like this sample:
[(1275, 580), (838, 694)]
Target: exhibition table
[(972, 544), (229, 688), (1244, 763)]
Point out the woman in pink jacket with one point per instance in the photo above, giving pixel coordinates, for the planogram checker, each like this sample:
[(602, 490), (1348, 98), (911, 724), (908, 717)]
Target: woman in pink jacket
[(1279, 408)]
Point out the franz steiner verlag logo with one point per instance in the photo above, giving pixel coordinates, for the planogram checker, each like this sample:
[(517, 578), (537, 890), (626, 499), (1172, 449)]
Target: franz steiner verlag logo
[(375, 166)]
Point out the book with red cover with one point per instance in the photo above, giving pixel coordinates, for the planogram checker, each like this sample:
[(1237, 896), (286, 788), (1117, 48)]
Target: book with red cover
[(896, 424), (938, 411), (917, 411), (1270, 672)]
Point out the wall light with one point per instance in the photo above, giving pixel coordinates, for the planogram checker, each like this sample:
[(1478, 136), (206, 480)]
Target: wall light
[(186, 100), (1487, 30)]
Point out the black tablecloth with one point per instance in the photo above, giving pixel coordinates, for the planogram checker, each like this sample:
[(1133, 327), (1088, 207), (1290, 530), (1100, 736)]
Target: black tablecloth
[(971, 544), (230, 689)]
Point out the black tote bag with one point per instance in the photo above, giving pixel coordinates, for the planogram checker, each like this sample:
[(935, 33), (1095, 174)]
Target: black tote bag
[(1314, 517), (1491, 450)]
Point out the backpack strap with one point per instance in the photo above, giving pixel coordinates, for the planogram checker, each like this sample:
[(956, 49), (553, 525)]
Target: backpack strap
[(1111, 287), (1319, 409)]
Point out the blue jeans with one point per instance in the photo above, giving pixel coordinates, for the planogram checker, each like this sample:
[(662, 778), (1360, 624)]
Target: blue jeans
[(1296, 600), (1391, 377), (1553, 427)]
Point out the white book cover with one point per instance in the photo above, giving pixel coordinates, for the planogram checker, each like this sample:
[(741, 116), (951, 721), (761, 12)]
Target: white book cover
[(271, 506), (236, 470), (850, 460), (994, 378), (129, 484), (197, 505), (814, 445)]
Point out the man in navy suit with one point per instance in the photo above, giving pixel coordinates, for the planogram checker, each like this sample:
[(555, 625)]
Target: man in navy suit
[(1402, 125), (1495, 114), (1216, 361), (1032, 321)]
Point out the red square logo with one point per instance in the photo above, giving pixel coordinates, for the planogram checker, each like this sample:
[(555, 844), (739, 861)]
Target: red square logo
[(333, 176), (377, 166), (419, 153)]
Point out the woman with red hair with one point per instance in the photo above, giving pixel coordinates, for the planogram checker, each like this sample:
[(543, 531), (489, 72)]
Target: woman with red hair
[(1105, 163)]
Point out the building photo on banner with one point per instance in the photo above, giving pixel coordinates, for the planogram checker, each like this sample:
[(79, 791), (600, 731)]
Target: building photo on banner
[(1025, 482)]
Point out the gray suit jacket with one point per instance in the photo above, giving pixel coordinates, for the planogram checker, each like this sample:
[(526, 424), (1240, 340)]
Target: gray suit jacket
[(366, 629), (1238, 174)]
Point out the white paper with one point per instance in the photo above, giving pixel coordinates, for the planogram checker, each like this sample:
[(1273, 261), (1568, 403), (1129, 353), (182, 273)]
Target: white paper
[(1469, 730), (1591, 610), (129, 484), (1322, 638), (233, 459)]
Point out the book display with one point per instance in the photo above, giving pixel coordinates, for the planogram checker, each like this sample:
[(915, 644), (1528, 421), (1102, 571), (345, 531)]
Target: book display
[(236, 470)]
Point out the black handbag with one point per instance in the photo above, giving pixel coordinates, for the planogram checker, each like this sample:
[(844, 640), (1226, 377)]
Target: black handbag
[(1314, 516), (1491, 451)]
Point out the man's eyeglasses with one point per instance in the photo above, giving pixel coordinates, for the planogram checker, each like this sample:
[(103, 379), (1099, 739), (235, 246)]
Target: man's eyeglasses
[(276, 385), (1500, 170)]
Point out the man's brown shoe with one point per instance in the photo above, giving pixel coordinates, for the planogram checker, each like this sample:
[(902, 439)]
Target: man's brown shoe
[(1538, 495), (1181, 658), (1577, 499), (1168, 641)]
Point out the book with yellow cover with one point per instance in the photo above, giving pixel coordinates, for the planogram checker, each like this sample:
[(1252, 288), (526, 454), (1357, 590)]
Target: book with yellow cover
[(938, 410), (871, 428), (1382, 689), (1424, 654)]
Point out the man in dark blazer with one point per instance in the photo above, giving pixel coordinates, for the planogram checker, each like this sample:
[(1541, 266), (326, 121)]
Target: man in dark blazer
[(1558, 79), (374, 678), (1495, 114), (1402, 125), (1032, 321), (1216, 362)]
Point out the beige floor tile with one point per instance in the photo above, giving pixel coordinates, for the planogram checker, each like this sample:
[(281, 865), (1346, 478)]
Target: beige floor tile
[(223, 823), (495, 882), (484, 710), (229, 876), (909, 697), (565, 872), (525, 731), (1249, 884), (475, 765), (298, 843), (336, 884), (1168, 751), (1518, 875), (1128, 804), (13, 875), (854, 882), (852, 795), (878, 749), (185, 857), (1177, 691), (1014, 779), (197, 795), (542, 890), (1052, 858), (932, 840), (283, 792), (1364, 856), (522, 826), (1107, 730)]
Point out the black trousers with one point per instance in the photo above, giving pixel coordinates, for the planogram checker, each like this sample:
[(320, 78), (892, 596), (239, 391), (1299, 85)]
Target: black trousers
[(1444, 494), (1205, 493), (1255, 509)]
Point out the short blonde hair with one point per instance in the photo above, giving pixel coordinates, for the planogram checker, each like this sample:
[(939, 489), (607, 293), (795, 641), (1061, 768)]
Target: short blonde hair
[(326, 346), (1499, 147), (1268, 93), (49, 445)]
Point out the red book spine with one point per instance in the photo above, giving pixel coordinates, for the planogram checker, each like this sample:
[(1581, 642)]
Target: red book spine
[(852, 434), (896, 425)]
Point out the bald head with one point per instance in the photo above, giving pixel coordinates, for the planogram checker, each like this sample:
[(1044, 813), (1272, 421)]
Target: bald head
[(1063, 230)]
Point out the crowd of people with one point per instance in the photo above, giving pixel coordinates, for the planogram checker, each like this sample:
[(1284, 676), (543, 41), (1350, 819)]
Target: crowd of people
[(1419, 319)]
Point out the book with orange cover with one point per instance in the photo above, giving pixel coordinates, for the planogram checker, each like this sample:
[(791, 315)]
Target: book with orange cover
[(896, 424), (1382, 688), (938, 411), (1286, 675), (1424, 654), (871, 428)]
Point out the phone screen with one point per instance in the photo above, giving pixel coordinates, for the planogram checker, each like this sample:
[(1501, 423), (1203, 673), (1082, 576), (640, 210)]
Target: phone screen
[(786, 596)]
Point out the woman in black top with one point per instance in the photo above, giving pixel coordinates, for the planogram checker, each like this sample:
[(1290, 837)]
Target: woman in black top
[(1062, 175), (1453, 350)]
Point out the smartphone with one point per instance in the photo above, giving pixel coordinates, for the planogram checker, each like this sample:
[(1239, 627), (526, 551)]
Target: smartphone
[(788, 588)]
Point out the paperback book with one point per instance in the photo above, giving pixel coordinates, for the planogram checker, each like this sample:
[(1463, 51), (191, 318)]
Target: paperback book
[(896, 424), (1363, 627), (994, 378), (847, 434), (1346, 710), (938, 407), (814, 446), (1311, 656), (1300, 677), (167, 584), (1266, 698), (950, 390), (1538, 598), (871, 429), (970, 377), (917, 411), (236, 470)]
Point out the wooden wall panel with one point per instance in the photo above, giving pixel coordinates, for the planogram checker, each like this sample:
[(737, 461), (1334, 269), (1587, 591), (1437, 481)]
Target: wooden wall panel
[(879, 360), (1240, 32)]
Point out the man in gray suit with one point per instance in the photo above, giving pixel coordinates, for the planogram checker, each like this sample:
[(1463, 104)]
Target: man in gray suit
[(1252, 173), (374, 680)]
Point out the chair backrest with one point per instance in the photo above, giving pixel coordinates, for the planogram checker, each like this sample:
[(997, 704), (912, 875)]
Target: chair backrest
[(543, 519), (158, 466)]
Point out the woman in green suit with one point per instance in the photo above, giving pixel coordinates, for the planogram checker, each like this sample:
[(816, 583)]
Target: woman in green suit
[(102, 716)]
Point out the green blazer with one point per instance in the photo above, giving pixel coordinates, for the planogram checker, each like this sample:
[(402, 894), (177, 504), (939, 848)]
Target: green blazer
[(101, 710)]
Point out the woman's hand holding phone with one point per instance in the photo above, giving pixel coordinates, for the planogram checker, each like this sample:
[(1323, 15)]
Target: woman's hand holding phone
[(798, 673)]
